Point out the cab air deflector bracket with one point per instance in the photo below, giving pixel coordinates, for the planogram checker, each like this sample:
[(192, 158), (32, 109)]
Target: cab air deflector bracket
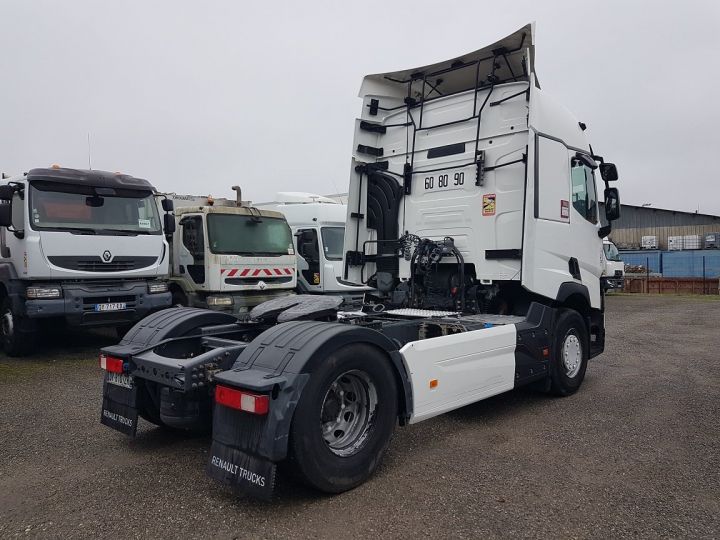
[(480, 168), (374, 105), (407, 178), (370, 150), (372, 128)]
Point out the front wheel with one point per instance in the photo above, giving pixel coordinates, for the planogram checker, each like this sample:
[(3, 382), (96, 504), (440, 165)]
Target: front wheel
[(16, 341), (344, 419), (570, 353)]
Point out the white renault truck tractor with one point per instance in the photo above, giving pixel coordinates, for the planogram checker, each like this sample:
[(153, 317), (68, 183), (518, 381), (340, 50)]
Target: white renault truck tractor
[(81, 247), (473, 211), (229, 256), (318, 226)]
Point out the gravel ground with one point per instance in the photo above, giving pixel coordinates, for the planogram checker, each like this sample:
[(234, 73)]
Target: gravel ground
[(634, 454)]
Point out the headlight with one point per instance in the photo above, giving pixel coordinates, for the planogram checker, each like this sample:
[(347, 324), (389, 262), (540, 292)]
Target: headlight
[(157, 287), (43, 292), (219, 301)]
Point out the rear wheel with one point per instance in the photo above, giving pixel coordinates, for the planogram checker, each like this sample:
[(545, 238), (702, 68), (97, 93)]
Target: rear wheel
[(16, 341), (344, 419), (570, 353)]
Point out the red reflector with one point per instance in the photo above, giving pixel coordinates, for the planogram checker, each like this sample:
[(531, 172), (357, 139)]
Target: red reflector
[(242, 401), (546, 351), (109, 363)]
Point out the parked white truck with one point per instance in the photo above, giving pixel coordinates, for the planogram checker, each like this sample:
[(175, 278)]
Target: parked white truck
[(473, 210), (83, 247), (318, 226), (614, 267), (229, 256)]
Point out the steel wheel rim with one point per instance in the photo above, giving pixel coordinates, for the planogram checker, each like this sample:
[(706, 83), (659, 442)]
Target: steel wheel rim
[(7, 323), (347, 413), (572, 355)]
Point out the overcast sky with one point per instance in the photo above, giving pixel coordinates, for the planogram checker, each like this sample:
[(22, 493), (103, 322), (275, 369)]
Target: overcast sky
[(198, 96)]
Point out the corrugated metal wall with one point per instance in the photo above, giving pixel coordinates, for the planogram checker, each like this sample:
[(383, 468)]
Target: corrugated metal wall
[(636, 222), (682, 264)]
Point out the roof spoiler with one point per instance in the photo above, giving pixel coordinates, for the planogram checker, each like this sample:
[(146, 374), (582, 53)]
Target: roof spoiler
[(511, 58)]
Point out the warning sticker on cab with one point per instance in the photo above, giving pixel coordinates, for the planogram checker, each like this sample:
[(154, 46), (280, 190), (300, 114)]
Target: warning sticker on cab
[(564, 209), (488, 203)]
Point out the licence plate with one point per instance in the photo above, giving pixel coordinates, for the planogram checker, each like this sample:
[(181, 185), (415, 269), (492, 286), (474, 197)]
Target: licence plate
[(118, 379), (116, 306), (449, 179)]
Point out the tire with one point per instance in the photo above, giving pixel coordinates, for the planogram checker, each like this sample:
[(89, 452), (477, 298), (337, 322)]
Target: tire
[(570, 353), (149, 403), (337, 453), (15, 342)]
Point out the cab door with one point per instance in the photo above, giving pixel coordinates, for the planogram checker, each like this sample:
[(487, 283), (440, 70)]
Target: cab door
[(560, 226), (191, 256), (308, 248)]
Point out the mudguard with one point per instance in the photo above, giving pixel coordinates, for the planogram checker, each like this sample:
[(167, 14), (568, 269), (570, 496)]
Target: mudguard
[(279, 362), (166, 324), (121, 405)]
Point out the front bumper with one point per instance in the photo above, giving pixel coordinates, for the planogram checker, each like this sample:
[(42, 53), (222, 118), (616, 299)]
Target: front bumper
[(613, 283), (77, 305), (243, 302)]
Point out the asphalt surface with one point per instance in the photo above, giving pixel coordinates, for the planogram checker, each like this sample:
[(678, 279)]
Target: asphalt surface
[(634, 454)]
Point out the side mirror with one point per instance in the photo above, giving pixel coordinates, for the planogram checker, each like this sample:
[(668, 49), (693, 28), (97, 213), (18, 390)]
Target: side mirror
[(6, 192), (5, 214), (608, 172), (169, 223), (612, 204), (167, 205)]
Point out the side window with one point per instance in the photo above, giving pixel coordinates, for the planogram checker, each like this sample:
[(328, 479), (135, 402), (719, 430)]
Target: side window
[(194, 240), (192, 237), (308, 246), (584, 196)]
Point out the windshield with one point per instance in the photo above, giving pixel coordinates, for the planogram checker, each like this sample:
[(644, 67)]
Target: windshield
[(92, 210), (611, 252), (241, 235), (332, 238)]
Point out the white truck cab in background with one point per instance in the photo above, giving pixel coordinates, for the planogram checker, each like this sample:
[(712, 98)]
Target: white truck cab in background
[(614, 267), (86, 247), (318, 226), (229, 256)]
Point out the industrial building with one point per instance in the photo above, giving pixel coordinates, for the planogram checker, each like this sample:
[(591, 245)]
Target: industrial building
[(638, 221)]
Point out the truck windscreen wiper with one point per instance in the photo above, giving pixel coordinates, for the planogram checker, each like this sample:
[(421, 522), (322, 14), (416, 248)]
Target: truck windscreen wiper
[(76, 230)]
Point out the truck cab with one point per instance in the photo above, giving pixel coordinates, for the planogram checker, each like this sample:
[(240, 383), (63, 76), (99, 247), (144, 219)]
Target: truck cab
[(230, 258), (613, 267), (318, 226), (81, 247)]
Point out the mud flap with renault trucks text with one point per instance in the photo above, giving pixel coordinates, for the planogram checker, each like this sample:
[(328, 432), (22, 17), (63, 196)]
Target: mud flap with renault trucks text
[(119, 407), (243, 472)]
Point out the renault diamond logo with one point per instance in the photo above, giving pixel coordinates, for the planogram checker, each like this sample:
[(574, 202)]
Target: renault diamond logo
[(106, 256), (262, 285)]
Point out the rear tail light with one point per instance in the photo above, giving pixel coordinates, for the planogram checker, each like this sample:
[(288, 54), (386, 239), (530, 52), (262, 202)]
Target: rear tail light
[(241, 400), (111, 364)]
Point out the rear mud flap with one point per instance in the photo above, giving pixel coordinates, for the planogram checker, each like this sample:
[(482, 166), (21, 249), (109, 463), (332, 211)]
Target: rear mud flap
[(119, 408), (241, 471)]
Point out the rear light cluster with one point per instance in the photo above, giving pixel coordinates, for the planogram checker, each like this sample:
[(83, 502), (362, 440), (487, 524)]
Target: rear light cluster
[(242, 400), (111, 364)]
